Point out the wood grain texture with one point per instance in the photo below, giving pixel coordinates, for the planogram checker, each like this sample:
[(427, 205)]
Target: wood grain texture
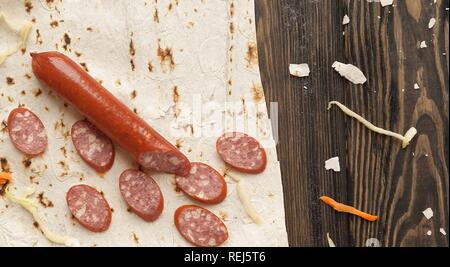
[(377, 176)]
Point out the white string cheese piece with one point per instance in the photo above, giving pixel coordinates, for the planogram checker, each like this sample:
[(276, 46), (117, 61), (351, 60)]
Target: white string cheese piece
[(248, 207), (31, 206), (244, 197), (23, 31), (406, 139), (330, 241)]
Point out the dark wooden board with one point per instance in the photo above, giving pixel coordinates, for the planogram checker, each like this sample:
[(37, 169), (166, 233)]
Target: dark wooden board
[(377, 176)]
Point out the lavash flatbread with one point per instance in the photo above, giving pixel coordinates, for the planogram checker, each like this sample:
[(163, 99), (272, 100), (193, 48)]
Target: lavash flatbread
[(168, 60)]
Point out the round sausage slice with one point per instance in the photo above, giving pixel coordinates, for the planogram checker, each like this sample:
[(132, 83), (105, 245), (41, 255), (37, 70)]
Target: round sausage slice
[(242, 152), (203, 184), (200, 227), (27, 132), (142, 194), (94, 147), (89, 208)]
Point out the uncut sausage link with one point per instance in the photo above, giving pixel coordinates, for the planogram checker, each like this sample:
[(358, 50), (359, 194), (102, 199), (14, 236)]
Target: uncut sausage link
[(108, 114)]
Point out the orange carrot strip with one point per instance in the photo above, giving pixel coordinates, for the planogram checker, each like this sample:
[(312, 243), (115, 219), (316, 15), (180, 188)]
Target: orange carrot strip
[(348, 209), (5, 178)]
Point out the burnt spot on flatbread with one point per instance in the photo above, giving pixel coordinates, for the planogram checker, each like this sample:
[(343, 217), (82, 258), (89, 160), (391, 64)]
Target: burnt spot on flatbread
[(133, 94), (175, 186), (36, 92), (28, 76), (252, 55), (190, 150), (132, 50), (244, 107), (232, 9), (4, 165), (83, 64), (258, 92), (26, 162), (32, 179), (64, 151), (38, 37), (54, 24), (3, 126), (10, 99), (166, 58), (231, 27), (179, 143), (66, 41), (135, 238), (44, 201), (36, 224), (156, 15), (170, 7), (150, 66), (78, 54), (59, 124), (89, 29), (23, 92), (23, 50), (10, 81), (28, 6), (176, 100), (223, 215), (175, 95), (33, 20)]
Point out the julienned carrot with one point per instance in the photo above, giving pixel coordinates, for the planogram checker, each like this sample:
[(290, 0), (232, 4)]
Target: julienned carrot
[(345, 208), (5, 178)]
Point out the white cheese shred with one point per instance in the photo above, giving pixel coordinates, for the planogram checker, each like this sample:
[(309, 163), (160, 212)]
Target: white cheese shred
[(386, 2), (406, 139), (345, 20), (23, 31), (333, 164), (299, 70), (442, 231), (428, 213), (330, 241), (350, 72), (423, 44), (431, 23), (31, 206), (248, 207)]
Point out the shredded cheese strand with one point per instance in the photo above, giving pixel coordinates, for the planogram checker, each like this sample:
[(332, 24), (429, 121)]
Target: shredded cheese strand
[(31, 206), (406, 139), (248, 207), (330, 241), (244, 197), (23, 34)]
